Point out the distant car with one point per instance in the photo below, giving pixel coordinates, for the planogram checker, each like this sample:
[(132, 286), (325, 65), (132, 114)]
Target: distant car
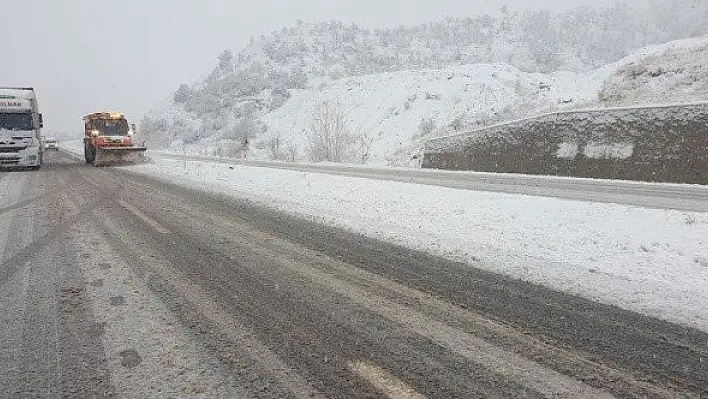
[(50, 143)]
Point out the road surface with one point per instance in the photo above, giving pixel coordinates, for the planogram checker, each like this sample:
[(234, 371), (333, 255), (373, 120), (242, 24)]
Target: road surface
[(119, 284), (692, 198)]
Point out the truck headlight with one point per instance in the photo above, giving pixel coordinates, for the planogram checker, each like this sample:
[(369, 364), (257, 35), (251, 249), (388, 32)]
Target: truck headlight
[(94, 133)]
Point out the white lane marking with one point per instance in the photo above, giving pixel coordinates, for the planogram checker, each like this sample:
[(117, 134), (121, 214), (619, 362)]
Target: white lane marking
[(148, 220), (390, 386)]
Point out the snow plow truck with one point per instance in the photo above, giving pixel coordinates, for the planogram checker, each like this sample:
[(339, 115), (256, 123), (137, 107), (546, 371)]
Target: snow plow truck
[(108, 140)]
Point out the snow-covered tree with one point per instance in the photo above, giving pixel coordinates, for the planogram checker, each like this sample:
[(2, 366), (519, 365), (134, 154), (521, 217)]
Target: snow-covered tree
[(246, 127), (427, 126), (184, 94), (226, 59)]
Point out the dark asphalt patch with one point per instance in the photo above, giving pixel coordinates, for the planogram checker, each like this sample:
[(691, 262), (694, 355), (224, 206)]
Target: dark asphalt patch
[(130, 358), (117, 301), (96, 329)]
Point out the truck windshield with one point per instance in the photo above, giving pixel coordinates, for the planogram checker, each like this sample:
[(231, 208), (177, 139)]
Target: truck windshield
[(10, 121), (111, 127)]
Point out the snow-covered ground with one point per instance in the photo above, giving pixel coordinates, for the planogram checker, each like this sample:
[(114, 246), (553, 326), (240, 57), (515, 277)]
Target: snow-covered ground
[(388, 108), (651, 261)]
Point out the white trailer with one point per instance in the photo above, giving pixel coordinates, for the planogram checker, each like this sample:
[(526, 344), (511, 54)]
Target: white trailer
[(20, 128)]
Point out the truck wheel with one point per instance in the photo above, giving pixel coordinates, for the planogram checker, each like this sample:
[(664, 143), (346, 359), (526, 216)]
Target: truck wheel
[(89, 154)]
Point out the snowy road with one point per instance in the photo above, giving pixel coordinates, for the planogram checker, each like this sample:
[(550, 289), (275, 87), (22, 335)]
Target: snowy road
[(113, 282), (692, 198)]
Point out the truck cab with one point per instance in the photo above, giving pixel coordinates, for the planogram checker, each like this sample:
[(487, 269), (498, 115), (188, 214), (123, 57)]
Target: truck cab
[(20, 129)]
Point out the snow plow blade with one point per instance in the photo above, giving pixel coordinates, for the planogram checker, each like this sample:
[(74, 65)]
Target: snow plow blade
[(119, 156)]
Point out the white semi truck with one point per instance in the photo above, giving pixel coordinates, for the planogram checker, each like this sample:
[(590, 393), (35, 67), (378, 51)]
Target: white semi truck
[(20, 128)]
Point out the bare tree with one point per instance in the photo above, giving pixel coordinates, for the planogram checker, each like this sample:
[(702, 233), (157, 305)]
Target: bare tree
[(364, 148), (330, 136), (275, 146), (291, 151)]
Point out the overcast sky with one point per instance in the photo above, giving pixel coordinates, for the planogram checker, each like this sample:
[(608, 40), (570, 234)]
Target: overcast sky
[(89, 55)]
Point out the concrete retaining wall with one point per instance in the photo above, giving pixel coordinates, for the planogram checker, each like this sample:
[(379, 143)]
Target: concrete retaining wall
[(658, 144)]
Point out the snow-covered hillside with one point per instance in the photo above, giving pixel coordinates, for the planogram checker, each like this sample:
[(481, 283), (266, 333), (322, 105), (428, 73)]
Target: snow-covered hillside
[(393, 111), (392, 108), (389, 90)]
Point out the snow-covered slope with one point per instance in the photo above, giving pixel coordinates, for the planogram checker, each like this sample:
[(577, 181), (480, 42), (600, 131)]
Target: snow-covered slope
[(392, 108), (389, 107), (298, 63), (673, 72), (390, 114)]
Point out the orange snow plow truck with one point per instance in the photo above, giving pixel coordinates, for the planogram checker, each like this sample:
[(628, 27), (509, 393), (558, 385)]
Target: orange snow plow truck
[(108, 140)]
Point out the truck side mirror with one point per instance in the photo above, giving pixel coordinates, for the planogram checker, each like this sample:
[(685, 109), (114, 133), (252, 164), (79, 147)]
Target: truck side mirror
[(41, 121), (132, 127)]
